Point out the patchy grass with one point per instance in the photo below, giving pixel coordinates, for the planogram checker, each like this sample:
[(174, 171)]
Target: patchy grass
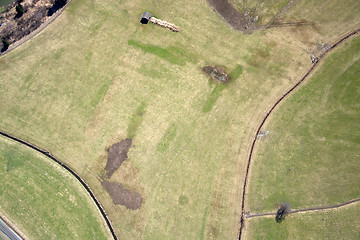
[(311, 157), (42, 199), (216, 92), (174, 55), (265, 10), (81, 92), (136, 120), (165, 141), (213, 97), (235, 74), (341, 223)]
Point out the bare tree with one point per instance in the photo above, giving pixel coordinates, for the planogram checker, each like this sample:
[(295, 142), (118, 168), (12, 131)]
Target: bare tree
[(283, 210)]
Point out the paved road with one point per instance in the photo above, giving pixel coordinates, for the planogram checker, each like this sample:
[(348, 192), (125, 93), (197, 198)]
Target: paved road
[(10, 233)]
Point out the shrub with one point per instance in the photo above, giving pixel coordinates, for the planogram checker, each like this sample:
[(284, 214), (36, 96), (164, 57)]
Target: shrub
[(6, 45), (283, 210), (57, 5), (19, 10)]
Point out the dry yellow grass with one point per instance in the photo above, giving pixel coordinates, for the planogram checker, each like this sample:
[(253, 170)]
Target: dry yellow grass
[(73, 90)]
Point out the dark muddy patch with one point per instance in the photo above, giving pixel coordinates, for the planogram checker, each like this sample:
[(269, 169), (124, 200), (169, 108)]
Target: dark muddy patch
[(244, 22), (217, 74), (117, 155), (120, 195)]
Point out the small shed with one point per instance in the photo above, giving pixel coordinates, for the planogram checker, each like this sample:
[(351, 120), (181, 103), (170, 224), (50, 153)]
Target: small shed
[(145, 18)]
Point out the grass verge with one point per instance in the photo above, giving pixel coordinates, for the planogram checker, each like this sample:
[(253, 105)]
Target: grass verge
[(42, 199)]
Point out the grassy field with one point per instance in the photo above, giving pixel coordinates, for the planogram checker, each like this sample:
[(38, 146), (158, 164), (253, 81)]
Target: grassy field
[(43, 200), (311, 157), (342, 223), (96, 76), (5, 2)]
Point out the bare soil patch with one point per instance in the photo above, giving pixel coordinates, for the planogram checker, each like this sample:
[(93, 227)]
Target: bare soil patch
[(244, 22), (117, 155), (120, 195), (217, 74)]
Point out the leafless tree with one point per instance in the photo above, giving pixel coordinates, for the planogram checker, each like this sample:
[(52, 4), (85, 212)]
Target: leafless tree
[(283, 210)]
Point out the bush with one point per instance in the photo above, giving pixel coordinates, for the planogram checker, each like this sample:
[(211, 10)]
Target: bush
[(60, 3), (57, 5), (283, 210), (19, 10), (6, 45)]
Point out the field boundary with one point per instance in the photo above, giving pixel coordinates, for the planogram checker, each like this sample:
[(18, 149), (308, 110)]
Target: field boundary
[(72, 172), (36, 31), (305, 209), (353, 33)]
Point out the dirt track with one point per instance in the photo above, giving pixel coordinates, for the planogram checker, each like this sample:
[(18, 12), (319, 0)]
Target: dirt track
[(305, 209), (353, 33), (49, 155)]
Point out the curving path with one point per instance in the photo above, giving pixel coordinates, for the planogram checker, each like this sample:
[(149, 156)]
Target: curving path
[(353, 33), (67, 168)]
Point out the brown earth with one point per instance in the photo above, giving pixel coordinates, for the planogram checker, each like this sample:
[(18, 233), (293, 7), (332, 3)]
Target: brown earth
[(240, 21), (246, 21), (218, 74), (117, 155), (120, 195)]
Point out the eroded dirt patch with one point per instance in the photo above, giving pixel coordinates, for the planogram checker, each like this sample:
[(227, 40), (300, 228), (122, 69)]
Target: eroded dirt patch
[(244, 22), (218, 74), (117, 155), (120, 195)]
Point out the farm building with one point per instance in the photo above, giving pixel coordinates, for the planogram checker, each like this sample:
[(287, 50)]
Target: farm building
[(145, 18)]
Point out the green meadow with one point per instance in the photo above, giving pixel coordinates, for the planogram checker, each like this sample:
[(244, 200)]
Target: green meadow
[(311, 157), (42, 199)]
